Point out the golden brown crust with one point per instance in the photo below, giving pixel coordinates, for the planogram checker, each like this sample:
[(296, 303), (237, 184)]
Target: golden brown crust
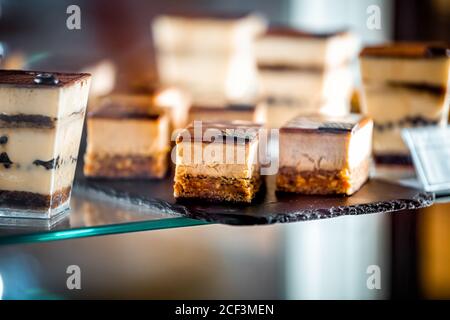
[(126, 166), (217, 188), (323, 182)]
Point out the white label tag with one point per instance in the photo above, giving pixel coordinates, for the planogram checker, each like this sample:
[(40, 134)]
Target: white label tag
[(430, 151)]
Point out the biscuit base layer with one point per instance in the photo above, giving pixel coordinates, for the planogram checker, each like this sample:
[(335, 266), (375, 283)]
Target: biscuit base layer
[(323, 182), (126, 166), (217, 188), (33, 201)]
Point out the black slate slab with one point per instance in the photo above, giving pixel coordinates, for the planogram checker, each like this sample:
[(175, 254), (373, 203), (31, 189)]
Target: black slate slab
[(270, 207)]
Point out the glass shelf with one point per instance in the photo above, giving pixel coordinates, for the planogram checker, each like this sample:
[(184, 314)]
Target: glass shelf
[(89, 217)]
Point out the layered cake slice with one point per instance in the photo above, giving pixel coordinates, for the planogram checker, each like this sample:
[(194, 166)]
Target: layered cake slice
[(243, 112), (41, 120), (210, 55), (127, 138), (404, 85), (218, 161), (325, 155), (302, 72)]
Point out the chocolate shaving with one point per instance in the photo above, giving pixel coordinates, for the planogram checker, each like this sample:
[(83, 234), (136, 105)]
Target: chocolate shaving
[(3, 139), (48, 165), (4, 159)]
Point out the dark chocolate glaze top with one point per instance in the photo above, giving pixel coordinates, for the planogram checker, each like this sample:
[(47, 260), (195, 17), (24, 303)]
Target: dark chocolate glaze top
[(408, 50), (231, 107), (21, 78), (285, 31), (209, 15), (121, 111), (239, 131), (326, 124)]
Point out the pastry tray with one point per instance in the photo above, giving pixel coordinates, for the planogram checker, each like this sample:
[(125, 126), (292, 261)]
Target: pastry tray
[(376, 196)]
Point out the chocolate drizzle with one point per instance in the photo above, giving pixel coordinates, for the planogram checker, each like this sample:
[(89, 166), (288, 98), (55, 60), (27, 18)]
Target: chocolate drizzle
[(48, 165)]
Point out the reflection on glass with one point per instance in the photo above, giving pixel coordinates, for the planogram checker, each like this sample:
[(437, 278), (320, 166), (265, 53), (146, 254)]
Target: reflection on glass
[(329, 259), (434, 253)]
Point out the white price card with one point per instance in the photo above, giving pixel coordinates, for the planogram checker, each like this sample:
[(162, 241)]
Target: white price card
[(430, 151)]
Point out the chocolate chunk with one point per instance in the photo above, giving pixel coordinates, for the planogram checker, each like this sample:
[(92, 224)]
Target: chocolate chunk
[(46, 79), (3, 139), (48, 165), (4, 159)]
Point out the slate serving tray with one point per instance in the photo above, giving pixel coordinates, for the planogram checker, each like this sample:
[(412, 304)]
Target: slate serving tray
[(376, 196)]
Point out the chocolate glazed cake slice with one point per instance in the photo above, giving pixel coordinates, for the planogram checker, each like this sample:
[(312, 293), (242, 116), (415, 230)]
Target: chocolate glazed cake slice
[(41, 119), (128, 137), (325, 155), (217, 161), (404, 85)]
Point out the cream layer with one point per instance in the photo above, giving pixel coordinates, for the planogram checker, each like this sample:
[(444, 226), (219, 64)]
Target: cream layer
[(205, 34), (307, 52), (50, 101), (217, 159), (311, 87), (419, 71), (127, 136), (28, 144), (386, 103), (57, 147), (308, 151)]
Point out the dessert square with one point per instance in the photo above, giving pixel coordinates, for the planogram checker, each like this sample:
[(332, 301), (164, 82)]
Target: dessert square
[(404, 85), (41, 120), (302, 72), (218, 161), (127, 138), (325, 155), (209, 55)]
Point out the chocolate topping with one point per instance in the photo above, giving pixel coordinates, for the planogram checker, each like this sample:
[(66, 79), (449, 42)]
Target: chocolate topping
[(325, 124), (112, 109), (231, 107), (284, 31), (407, 50), (46, 79), (336, 127), (210, 15), (22, 78), (287, 68), (236, 131)]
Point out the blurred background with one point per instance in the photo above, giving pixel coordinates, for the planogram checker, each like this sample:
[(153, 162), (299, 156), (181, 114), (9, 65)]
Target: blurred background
[(306, 260)]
